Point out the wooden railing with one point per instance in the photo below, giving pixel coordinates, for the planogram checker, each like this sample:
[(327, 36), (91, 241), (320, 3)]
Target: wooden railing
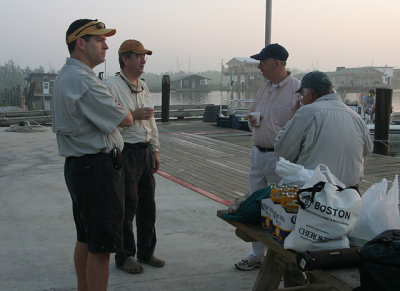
[(44, 116)]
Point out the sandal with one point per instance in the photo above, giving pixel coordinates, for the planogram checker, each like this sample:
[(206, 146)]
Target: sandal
[(131, 266), (153, 261)]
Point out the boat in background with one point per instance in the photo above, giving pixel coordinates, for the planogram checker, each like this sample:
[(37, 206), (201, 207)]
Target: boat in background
[(25, 126)]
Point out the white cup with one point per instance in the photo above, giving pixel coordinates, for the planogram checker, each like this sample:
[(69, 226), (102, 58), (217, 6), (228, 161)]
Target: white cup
[(148, 106), (256, 115)]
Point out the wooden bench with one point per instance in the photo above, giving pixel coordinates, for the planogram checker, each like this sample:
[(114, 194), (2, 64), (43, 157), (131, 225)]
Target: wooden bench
[(278, 259)]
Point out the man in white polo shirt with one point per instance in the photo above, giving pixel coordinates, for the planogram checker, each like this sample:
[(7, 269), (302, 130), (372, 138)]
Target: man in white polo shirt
[(277, 102)]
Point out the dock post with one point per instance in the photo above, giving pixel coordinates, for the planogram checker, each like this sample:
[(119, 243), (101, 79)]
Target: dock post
[(21, 101), (383, 108), (31, 95), (165, 96)]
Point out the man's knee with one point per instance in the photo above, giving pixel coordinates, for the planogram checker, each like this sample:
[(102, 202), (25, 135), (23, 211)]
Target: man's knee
[(100, 258)]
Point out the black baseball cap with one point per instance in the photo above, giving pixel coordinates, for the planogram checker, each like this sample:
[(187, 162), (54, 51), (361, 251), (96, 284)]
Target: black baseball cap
[(315, 80), (274, 50)]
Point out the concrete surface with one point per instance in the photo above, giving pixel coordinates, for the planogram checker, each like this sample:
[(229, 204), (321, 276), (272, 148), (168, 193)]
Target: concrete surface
[(38, 234)]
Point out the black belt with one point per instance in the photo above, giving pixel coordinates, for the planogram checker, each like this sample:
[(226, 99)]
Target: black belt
[(264, 149), (87, 156), (115, 154), (138, 145)]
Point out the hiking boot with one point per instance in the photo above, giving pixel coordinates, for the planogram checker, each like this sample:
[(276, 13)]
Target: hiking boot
[(246, 265), (153, 261), (131, 266)]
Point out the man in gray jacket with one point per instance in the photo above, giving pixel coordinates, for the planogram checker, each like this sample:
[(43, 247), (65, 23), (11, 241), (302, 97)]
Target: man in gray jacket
[(85, 118), (325, 131)]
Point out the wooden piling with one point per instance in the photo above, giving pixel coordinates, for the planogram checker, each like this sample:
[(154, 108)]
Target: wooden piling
[(165, 97), (383, 108), (21, 101), (43, 103), (31, 95)]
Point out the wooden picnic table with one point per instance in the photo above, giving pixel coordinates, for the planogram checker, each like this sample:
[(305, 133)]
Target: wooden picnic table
[(278, 259)]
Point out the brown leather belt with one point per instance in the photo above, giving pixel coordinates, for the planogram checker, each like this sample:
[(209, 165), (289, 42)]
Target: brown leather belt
[(264, 149)]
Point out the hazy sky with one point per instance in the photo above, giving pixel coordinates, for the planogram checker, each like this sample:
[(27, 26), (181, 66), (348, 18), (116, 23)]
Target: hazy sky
[(319, 34)]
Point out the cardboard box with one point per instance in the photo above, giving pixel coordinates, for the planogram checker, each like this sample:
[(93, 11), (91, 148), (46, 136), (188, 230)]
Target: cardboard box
[(276, 220)]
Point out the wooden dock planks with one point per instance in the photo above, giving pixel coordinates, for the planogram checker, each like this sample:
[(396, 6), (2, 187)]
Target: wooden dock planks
[(217, 159), (215, 166)]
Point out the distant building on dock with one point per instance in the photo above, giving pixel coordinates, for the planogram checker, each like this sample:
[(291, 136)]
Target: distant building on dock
[(44, 83), (396, 79), (190, 83), (353, 83), (362, 78), (242, 74), (40, 88), (388, 74)]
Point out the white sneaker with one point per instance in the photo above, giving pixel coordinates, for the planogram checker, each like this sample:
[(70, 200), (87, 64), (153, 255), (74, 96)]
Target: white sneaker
[(246, 265)]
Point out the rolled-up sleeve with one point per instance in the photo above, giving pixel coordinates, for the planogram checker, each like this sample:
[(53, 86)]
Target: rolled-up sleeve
[(101, 109)]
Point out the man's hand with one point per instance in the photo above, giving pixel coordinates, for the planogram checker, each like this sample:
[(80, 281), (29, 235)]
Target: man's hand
[(142, 113), (156, 162)]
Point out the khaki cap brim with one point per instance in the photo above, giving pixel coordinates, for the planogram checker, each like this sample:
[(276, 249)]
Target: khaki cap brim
[(91, 30), (135, 46), (136, 51)]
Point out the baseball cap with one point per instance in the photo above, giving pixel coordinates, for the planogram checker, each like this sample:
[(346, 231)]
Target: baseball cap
[(274, 50), (135, 46), (315, 80), (93, 27)]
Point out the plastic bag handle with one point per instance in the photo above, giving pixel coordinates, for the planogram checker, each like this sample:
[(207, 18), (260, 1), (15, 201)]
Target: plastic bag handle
[(314, 189), (327, 173)]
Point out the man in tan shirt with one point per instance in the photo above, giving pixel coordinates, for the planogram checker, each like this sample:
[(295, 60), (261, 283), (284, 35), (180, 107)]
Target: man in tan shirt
[(277, 102), (141, 160)]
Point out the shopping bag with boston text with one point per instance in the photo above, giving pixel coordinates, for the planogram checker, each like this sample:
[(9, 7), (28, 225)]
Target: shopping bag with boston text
[(327, 214)]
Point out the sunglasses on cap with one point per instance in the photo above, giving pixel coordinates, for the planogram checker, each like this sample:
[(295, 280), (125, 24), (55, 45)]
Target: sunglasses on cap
[(99, 25), (89, 28)]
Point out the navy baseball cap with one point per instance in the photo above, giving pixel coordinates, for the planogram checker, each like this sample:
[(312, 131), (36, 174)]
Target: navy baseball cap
[(315, 80), (274, 50)]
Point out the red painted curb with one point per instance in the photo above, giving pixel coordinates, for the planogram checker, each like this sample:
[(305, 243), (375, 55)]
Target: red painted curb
[(194, 188)]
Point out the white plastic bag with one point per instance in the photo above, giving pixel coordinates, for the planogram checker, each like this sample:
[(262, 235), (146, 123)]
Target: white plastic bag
[(327, 216), (379, 212), (322, 174), (292, 174)]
